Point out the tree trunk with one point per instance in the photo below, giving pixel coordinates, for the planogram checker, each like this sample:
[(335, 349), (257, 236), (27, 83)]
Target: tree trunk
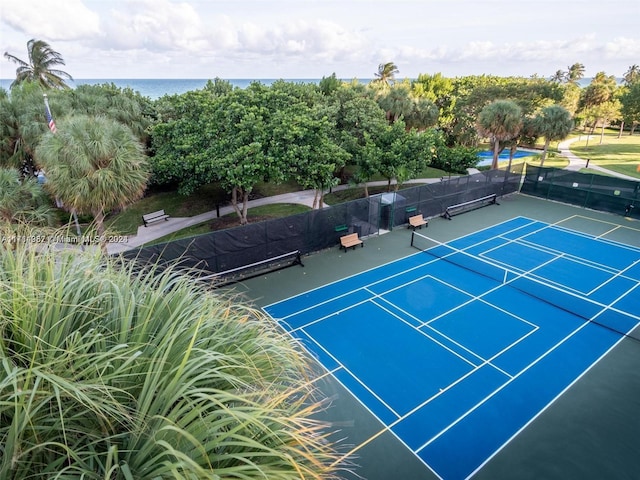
[(544, 151), (98, 218), (602, 133), (496, 153), (245, 207), (621, 129), (242, 213), (366, 190)]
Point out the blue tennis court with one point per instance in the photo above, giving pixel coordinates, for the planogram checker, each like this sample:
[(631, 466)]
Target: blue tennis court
[(455, 349)]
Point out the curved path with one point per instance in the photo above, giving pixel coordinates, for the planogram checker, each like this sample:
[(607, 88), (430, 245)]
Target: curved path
[(305, 197), (576, 163)]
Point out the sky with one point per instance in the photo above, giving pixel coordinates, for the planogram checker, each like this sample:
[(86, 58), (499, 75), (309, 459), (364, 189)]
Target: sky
[(309, 39)]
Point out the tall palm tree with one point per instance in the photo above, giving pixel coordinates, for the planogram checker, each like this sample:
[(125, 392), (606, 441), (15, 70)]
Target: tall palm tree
[(40, 66), (575, 73), (386, 73), (396, 103), (558, 77), (554, 123), (500, 121), (632, 75), (93, 165)]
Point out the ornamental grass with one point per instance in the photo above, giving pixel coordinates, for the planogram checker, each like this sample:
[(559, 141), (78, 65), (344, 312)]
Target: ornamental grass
[(112, 373)]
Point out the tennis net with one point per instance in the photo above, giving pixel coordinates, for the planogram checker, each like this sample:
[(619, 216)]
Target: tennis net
[(531, 285)]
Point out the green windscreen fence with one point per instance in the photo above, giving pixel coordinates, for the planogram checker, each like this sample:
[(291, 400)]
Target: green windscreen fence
[(597, 192), (228, 250)]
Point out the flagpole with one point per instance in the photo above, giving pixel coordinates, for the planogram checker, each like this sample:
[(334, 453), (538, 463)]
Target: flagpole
[(52, 127)]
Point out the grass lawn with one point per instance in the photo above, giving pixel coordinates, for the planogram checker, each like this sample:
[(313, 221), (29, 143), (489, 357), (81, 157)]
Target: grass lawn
[(205, 199), (620, 155), (256, 214)]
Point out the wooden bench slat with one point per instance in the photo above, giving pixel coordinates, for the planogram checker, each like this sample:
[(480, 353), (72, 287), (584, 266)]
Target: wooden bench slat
[(417, 221), (351, 240), (154, 217)]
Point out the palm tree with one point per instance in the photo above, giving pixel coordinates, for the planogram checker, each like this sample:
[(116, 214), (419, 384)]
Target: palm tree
[(500, 121), (93, 165), (386, 73), (554, 123), (40, 67), (632, 75), (558, 77), (396, 103), (575, 73)]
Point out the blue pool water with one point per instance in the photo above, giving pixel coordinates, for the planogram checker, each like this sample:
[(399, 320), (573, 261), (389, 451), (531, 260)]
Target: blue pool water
[(487, 156)]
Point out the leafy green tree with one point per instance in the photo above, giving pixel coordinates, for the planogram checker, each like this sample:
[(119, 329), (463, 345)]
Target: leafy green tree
[(473, 93), (219, 87), (329, 85), (440, 90), (500, 121), (599, 91), (310, 152), (40, 67), (402, 154), (112, 372), (630, 105), (358, 119), (554, 123), (93, 165)]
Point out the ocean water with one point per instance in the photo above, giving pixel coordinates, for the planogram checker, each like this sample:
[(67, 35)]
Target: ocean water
[(157, 87)]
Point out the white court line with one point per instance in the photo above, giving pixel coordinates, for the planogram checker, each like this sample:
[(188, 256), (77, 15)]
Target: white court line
[(424, 334), (508, 382), (564, 340), (355, 377), (382, 267), (619, 274)]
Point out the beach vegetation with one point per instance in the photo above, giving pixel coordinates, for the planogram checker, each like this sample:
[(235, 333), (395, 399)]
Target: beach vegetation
[(41, 66), (109, 371), (554, 123), (500, 121), (93, 165)]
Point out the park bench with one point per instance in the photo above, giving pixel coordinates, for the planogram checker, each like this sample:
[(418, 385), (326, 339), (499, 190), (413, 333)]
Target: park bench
[(417, 221), (154, 217), (351, 240)]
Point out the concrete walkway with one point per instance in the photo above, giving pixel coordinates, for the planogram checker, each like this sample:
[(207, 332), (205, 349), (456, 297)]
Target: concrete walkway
[(305, 197), (576, 163)]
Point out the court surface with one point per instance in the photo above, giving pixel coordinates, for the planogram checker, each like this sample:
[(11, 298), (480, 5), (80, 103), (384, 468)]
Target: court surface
[(457, 348)]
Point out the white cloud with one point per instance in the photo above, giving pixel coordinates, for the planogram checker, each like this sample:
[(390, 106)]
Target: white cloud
[(156, 25), (289, 39), (66, 20)]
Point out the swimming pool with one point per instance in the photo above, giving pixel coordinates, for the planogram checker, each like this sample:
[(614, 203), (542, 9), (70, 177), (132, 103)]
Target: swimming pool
[(487, 156)]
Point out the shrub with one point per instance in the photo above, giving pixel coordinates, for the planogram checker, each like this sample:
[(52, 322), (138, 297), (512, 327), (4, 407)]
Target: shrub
[(111, 373)]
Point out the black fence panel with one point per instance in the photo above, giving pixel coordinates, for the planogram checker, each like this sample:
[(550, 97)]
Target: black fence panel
[(598, 192), (316, 230)]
